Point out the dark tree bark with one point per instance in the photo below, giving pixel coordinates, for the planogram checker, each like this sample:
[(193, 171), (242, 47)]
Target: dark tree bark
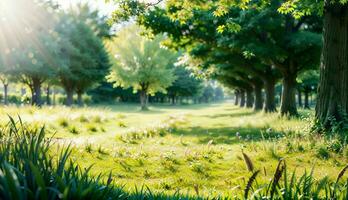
[(79, 99), (48, 98), (258, 97), (306, 100), (242, 98), (299, 97), (36, 92), (333, 86), (53, 97), (249, 98), (270, 105), (236, 96), (173, 99), (6, 93), (69, 97), (143, 100), (288, 101)]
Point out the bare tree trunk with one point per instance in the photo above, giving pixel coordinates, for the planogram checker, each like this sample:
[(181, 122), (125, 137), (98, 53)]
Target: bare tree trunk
[(242, 98), (143, 100), (270, 105), (54, 97), (36, 92), (6, 93), (333, 87), (288, 102), (48, 98), (299, 97), (306, 100), (69, 97), (79, 99), (236, 96), (258, 97), (250, 98)]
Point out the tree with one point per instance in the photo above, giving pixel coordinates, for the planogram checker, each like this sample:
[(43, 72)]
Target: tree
[(208, 93), (251, 28), (85, 54), (35, 56), (308, 83), (332, 103), (219, 93), (141, 63), (185, 85), (105, 92), (4, 73)]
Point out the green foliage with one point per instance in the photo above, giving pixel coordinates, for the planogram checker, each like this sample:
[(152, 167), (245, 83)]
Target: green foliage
[(186, 84), (141, 63), (56, 46), (85, 55)]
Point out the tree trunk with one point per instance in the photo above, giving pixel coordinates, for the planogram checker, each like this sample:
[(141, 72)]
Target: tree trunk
[(270, 105), (143, 100), (333, 86), (6, 94), (173, 100), (54, 97), (242, 98), (258, 97), (236, 96), (69, 97), (299, 97), (79, 99), (250, 98), (48, 98), (36, 92), (306, 100), (288, 101)]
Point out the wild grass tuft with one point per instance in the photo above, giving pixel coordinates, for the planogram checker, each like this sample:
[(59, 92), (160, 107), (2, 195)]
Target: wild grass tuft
[(92, 128), (73, 129), (27, 168), (63, 122)]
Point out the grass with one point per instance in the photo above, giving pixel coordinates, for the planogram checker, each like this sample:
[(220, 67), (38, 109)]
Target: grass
[(191, 149)]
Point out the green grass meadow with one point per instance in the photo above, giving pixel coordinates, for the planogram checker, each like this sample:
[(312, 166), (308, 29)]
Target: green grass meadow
[(192, 149)]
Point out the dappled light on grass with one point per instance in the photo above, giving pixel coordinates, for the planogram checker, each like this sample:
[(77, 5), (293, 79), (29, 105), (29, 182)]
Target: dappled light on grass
[(199, 151)]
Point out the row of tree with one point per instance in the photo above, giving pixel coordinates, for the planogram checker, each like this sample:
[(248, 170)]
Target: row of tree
[(194, 92), (251, 45), (45, 44), (307, 84), (151, 69)]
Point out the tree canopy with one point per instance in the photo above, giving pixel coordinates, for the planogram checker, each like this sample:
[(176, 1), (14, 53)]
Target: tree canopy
[(141, 63)]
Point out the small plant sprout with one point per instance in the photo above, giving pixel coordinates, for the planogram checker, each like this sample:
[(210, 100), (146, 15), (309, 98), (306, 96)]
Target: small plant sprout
[(88, 148)]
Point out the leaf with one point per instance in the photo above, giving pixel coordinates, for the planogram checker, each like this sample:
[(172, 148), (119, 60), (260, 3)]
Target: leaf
[(39, 180), (221, 28)]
